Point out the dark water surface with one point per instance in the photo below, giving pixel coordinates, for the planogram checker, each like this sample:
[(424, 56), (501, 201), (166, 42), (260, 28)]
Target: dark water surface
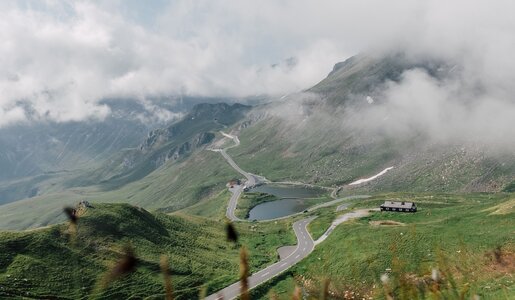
[(292, 201)]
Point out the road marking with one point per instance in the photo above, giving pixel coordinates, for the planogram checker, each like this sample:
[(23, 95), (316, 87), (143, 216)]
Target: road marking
[(265, 274), (297, 256), (304, 249), (283, 265)]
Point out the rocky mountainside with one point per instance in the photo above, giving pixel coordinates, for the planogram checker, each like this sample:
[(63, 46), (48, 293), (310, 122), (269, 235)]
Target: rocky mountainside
[(173, 143), (339, 131), (367, 74), (37, 151), (166, 170), (320, 136), (37, 157)]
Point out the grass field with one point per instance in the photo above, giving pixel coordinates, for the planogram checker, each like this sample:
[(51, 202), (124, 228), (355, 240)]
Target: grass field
[(469, 237), (318, 151), (325, 217), (53, 263), (171, 187), (213, 208)]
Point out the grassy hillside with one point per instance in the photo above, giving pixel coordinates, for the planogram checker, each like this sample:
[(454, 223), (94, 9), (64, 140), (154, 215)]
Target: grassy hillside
[(469, 238), (175, 186), (162, 173), (275, 149), (365, 73), (33, 151), (315, 150), (171, 187), (173, 144), (55, 263)]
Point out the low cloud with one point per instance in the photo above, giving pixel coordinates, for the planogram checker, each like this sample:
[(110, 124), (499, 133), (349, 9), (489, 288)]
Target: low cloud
[(58, 60), (61, 60), (447, 110), (441, 110)]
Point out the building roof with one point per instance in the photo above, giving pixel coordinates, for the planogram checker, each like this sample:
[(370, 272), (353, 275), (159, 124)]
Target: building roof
[(395, 204)]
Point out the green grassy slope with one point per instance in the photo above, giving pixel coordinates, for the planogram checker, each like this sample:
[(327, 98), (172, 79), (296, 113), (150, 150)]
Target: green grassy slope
[(274, 149), (175, 186), (171, 187), (316, 152), (457, 233), (169, 171), (213, 208), (53, 263), (169, 145)]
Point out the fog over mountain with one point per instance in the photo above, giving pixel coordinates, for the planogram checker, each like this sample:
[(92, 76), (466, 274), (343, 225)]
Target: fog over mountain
[(443, 102), (60, 59), (286, 149)]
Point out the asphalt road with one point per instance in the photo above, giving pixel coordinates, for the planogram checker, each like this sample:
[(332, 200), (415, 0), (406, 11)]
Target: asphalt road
[(251, 179), (236, 191), (305, 243), (231, 207), (333, 202), (305, 246), (343, 218)]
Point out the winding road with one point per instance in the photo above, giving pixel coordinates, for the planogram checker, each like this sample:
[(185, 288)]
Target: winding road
[(305, 246), (252, 180), (305, 243)]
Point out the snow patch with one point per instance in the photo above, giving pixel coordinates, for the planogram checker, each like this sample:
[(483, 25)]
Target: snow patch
[(371, 178), (227, 135)]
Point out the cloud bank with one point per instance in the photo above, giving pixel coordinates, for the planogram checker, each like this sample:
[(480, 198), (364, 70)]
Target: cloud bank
[(442, 111), (58, 60)]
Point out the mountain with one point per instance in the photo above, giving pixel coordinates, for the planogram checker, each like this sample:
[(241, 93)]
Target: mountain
[(319, 136), (36, 147), (38, 157), (169, 144), (366, 74), (310, 137), (38, 151), (161, 172), (324, 136)]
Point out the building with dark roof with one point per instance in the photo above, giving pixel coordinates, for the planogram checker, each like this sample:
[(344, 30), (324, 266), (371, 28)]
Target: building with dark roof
[(398, 206)]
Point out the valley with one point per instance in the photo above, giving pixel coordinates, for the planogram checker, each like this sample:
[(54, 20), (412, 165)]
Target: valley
[(167, 192), (268, 273), (257, 150)]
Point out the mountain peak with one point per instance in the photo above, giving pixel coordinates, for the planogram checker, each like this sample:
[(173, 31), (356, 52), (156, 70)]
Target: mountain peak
[(364, 74)]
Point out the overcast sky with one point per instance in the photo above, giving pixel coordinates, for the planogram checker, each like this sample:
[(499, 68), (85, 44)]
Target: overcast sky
[(62, 57)]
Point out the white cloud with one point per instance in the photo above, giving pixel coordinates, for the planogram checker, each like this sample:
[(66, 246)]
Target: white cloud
[(62, 58), (8, 116)]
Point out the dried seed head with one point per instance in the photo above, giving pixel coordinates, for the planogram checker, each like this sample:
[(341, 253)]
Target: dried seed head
[(325, 289), (203, 291), (385, 278), (71, 214), (273, 296), (435, 275), (126, 265), (296, 294), (244, 274), (232, 235), (165, 270)]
